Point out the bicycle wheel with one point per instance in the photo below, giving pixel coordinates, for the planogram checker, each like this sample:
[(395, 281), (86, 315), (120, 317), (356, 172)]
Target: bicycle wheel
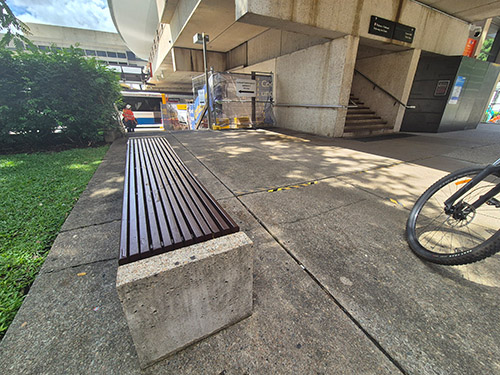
[(440, 238)]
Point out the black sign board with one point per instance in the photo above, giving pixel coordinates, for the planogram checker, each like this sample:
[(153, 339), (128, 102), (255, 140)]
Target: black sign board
[(403, 33), (381, 26), (390, 29), (442, 87)]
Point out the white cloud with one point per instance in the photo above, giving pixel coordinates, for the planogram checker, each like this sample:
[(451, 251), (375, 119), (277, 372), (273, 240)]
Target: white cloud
[(85, 14)]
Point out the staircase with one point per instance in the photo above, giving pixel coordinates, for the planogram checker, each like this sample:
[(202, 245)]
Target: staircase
[(361, 121)]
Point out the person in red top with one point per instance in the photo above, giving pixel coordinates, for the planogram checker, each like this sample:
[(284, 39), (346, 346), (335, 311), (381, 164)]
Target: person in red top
[(129, 118)]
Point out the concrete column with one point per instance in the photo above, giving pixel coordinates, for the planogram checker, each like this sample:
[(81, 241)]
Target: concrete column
[(318, 75)]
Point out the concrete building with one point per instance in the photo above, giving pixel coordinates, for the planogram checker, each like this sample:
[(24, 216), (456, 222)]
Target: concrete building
[(104, 46), (320, 51)]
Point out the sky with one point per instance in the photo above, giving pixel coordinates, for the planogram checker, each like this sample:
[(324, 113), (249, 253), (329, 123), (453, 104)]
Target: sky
[(84, 14)]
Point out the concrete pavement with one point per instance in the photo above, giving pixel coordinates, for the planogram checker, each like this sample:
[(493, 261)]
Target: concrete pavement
[(336, 288)]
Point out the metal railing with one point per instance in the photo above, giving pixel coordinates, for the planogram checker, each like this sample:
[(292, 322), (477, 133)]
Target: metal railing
[(375, 85), (334, 106)]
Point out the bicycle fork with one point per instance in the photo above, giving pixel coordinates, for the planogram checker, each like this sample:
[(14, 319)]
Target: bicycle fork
[(460, 211)]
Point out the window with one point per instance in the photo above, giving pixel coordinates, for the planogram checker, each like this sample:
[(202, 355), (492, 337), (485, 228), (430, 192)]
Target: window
[(121, 55), (89, 52), (130, 55), (101, 53), (111, 54), (122, 63), (143, 104), (43, 48)]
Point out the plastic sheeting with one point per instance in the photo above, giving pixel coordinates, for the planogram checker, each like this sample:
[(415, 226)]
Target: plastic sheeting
[(237, 100), (174, 116)]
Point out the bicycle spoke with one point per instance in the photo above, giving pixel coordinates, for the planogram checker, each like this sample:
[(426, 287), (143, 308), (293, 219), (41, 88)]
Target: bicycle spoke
[(434, 232)]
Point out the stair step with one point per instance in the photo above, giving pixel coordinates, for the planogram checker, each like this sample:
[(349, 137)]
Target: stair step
[(358, 111), (362, 121), (367, 133), (364, 127), (360, 107), (368, 121), (362, 116)]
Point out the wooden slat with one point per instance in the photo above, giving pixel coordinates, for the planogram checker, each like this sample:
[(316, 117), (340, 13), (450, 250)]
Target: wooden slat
[(181, 195), (133, 250), (202, 217), (187, 237), (164, 205), (153, 232), (224, 221), (141, 207), (169, 233), (125, 233)]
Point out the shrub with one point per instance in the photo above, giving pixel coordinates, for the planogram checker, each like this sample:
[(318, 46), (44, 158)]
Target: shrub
[(55, 96)]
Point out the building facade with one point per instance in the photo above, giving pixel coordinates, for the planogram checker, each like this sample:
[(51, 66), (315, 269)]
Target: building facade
[(335, 62), (104, 46)]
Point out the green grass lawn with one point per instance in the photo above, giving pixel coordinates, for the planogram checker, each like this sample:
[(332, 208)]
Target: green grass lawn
[(37, 192)]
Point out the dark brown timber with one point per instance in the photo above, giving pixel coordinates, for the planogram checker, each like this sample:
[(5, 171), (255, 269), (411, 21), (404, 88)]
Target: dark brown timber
[(164, 206)]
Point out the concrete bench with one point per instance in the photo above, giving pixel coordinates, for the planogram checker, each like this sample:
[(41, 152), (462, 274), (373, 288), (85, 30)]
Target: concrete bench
[(185, 270)]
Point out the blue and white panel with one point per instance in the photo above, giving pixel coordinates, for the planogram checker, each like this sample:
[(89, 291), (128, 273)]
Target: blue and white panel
[(147, 118)]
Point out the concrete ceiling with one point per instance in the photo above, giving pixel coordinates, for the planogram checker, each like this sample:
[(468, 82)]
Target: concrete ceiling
[(216, 18), (467, 10)]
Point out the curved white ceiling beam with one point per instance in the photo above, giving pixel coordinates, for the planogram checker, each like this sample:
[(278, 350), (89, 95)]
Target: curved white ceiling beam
[(136, 22)]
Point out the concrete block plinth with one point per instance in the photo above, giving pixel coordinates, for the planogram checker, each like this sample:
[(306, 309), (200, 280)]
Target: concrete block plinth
[(174, 299)]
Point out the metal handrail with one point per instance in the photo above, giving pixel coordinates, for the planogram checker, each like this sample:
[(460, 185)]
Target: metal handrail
[(336, 106), (384, 90)]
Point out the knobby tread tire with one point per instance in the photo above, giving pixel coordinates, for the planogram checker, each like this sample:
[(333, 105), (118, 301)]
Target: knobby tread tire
[(484, 250)]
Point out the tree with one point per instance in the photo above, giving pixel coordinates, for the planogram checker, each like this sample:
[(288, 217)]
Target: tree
[(485, 50), (15, 30), (55, 97)]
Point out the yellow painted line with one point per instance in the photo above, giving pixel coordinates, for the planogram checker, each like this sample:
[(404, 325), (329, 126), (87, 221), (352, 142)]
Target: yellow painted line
[(396, 202), (292, 186)]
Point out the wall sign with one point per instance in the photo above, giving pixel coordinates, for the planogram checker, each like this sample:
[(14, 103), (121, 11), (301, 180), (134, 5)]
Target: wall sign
[(403, 33), (381, 26), (246, 87), (442, 87), (201, 95), (390, 29), (457, 89)]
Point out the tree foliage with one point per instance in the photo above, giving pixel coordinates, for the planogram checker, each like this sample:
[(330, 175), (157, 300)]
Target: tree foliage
[(55, 96), (15, 30), (485, 50)]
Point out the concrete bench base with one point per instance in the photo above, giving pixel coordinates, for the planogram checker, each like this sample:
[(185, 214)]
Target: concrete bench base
[(174, 299)]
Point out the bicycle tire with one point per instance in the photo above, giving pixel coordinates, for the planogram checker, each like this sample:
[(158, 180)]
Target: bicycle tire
[(485, 248)]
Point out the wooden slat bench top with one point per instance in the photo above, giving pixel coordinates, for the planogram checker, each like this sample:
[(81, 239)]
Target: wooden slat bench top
[(164, 206)]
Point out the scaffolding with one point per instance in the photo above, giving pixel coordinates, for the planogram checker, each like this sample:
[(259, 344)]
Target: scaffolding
[(237, 100)]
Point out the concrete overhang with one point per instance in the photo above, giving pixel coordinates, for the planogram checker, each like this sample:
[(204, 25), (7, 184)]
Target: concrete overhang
[(217, 19), (136, 21), (166, 8), (183, 59), (168, 79)]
